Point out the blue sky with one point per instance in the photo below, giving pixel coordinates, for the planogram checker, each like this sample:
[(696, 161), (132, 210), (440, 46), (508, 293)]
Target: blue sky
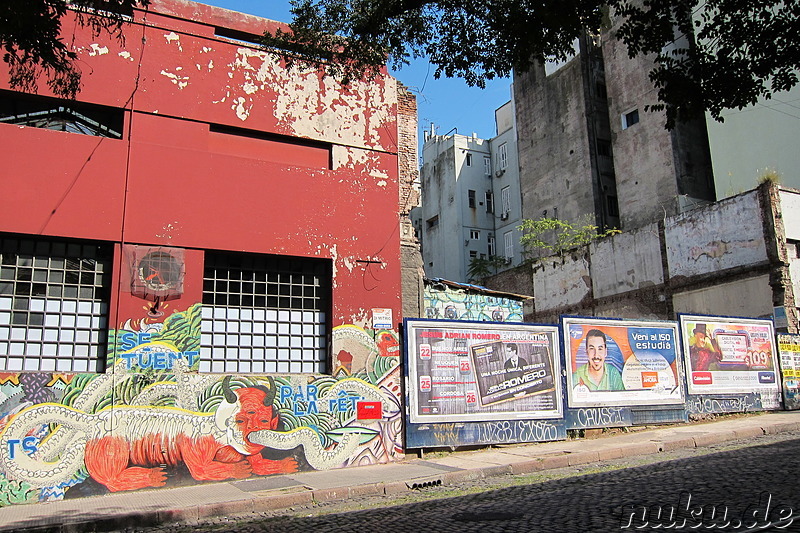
[(448, 103)]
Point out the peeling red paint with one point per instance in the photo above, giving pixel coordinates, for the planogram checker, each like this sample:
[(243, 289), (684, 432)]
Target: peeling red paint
[(178, 187)]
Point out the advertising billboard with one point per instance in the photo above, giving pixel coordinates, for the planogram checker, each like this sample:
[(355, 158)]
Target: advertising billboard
[(621, 362), (473, 371), (727, 355), (789, 349)]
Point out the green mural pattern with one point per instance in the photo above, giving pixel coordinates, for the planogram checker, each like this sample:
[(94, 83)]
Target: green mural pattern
[(302, 422)]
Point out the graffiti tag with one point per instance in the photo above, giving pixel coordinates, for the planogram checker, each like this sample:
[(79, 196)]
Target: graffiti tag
[(136, 351), (590, 417)]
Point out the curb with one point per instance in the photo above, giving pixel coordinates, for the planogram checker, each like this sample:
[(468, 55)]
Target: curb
[(287, 500)]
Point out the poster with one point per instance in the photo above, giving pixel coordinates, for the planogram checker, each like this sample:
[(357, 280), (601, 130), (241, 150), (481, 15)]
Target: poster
[(621, 363), (789, 349), (473, 371), (725, 355)]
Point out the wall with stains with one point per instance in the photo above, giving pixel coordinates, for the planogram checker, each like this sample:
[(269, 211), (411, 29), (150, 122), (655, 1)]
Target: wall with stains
[(629, 261), (706, 240), (725, 258), (223, 149)]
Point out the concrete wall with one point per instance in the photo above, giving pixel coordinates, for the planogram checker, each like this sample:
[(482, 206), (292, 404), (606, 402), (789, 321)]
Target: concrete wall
[(626, 262), (725, 235), (653, 166), (554, 152), (725, 259), (748, 297), (561, 282), (789, 201)]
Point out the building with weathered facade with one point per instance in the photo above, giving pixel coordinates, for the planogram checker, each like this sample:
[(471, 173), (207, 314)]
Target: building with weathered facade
[(470, 206), (588, 148), (201, 264)]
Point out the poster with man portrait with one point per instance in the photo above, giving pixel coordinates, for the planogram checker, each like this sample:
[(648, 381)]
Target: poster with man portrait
[(621, 362), (729, 355), (478, 371)]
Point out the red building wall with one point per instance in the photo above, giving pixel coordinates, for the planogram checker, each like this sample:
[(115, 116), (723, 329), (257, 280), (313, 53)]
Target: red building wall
[(172, 182), (222, 149)]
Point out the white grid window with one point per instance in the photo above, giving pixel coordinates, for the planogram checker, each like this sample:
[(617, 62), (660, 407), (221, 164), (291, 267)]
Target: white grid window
[(502, 155), (53, 305), (505, 199), (264, 314), (508, 241), (487, 166)]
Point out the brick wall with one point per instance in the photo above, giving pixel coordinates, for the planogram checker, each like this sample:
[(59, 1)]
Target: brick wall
[(407, 149), (411, 257)]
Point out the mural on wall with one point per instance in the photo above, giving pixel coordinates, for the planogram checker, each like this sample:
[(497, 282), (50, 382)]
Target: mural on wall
[(151, 421), (458, 305)]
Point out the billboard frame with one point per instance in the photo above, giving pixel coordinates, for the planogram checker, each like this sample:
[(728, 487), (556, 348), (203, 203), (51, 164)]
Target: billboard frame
[(501, 393), (667, 389), (706, 363)]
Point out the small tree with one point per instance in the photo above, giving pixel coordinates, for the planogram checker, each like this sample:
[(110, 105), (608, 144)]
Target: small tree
[(551, 236), (481, 268)]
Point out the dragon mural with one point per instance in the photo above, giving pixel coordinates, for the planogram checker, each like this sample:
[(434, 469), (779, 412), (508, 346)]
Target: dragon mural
[(133, 427)]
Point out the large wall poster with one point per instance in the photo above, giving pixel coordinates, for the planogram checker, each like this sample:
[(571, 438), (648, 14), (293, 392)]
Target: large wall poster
[(621, 363), (463, 371), (724, 355), (789, 348)]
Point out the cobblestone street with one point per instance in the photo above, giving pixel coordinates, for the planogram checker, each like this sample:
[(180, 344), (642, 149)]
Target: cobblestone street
[(733, 487)]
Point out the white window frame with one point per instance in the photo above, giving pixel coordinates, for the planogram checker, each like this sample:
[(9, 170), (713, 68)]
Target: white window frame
[(626, 123), (492, 246), (54, 302), (508, 244), (475, 235), (487, 165), (502, 156), (265, 314), (505, 199)]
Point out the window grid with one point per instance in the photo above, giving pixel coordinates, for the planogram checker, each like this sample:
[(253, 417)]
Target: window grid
[(264, 314), (508, 242), (53, 305), (505, 199), (502, 155)]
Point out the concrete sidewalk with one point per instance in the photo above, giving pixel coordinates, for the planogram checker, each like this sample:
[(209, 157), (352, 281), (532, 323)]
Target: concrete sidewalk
[(153, 507)]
